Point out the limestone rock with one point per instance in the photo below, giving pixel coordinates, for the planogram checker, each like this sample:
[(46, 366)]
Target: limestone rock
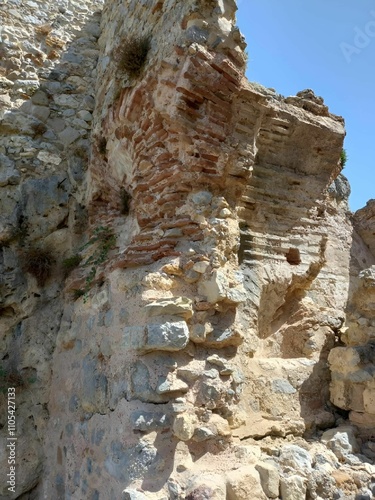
[(199, 332), (248, 454), (293, 488), (179, 306), (201, 266), (8, 173), (130, 494), (184, 426), (203, 434), (352, 386), (364, 221), (296, 458), (243, 481), (342, 441), (224, 367), (46, 157), (166, 336), (170, 385), (218, 288), (269, 478)]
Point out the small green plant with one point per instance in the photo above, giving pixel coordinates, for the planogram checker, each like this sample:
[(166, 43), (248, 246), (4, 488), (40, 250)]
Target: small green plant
[(343, 158), (71, 263), (39, 262), (132, 54), (77, 293), (125, 199), (103, 241)]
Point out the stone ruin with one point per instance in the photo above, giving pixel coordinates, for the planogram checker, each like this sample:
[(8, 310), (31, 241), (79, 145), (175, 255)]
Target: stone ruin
[(186, 302)]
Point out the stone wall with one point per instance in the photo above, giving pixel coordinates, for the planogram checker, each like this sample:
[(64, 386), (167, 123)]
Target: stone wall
[(216, 270), (47, 74)]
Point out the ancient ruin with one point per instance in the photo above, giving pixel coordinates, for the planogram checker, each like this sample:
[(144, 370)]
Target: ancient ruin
[(186, 301)]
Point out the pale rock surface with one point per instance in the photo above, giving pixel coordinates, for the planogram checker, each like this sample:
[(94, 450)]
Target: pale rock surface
[(244, 482), (184, 426), (296, 458), (342, 441), (231, 303), (269, 478), (293, 488)]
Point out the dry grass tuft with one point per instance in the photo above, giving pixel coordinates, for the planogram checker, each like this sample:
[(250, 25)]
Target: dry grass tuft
[(39, 263), (132, 54)]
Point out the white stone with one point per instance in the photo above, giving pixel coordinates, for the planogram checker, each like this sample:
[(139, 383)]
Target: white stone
[(293, 488), (184, 426), (295, 457), (225, 213), (175, 306), (51, 158), (341, 441), (201, 267)]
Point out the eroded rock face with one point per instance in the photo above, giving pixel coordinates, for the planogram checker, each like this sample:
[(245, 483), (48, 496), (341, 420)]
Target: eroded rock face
[(219, 298), (353, 364)]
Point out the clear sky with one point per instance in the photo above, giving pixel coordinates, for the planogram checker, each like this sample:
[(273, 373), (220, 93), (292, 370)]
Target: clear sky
[(327, 46)]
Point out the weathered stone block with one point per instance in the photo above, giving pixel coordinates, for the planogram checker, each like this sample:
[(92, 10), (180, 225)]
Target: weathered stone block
[(282, 386), (217, 288), (166, 336), (293, 488), (166, 386), (198, 332), (369, 400), (203, 434), (243, 481), (269, 478), (184, 426), (295, 457), (176, 306), (342, 441), (343, 359), (130, 494), (69, 135), (8, 173)]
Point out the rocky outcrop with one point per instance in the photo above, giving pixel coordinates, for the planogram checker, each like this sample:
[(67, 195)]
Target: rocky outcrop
[(186, 305), (353, 364)]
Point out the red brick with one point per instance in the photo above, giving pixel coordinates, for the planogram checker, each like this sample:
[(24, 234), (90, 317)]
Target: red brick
[(190, 94)]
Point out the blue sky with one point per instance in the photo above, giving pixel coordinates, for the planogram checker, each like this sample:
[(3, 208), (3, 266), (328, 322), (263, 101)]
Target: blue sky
[(328, 46)]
